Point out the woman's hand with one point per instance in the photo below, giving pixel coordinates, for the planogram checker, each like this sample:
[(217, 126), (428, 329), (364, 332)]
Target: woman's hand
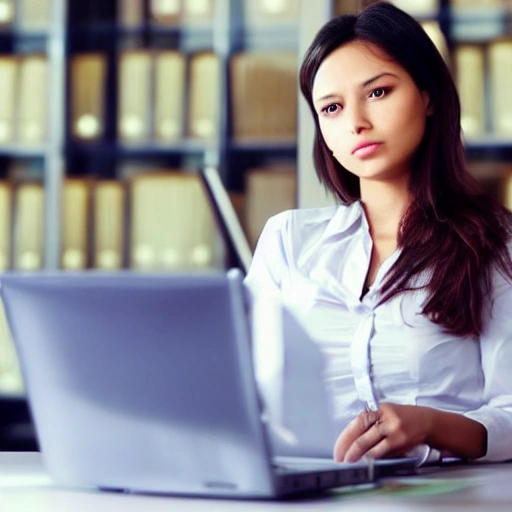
[(391, 431)]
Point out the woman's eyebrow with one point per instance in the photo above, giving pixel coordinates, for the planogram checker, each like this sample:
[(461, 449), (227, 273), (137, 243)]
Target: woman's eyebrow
[(366, 83), (380, 75)]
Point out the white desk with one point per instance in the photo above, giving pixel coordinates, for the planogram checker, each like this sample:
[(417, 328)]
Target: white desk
[(25, 487)]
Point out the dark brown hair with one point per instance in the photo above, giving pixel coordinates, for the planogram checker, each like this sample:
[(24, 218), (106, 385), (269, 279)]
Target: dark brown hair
[(451, 231)]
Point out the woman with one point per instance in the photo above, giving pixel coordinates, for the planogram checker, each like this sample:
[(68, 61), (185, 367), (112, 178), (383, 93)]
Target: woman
[(405, 286)]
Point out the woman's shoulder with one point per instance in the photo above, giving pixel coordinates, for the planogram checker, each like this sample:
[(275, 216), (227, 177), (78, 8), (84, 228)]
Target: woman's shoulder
[(300, 219)]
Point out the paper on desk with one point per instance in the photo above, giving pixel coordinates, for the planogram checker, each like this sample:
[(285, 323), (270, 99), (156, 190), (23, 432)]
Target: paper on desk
[(289, 369)]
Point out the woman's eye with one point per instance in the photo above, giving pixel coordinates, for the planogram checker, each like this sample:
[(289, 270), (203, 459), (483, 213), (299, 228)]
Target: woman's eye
[(378, 93), (332, 109)]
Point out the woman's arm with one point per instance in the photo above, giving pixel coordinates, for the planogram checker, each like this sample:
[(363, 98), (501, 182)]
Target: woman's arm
[(396, 429)]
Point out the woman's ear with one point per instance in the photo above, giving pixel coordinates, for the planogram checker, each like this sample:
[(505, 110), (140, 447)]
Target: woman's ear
[(429, 108)]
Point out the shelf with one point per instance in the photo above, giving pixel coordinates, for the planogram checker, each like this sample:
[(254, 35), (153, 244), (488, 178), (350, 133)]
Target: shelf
[(480, 24), (18, 151)]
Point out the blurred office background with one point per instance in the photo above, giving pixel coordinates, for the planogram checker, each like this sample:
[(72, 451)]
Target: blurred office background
[(109, 108)]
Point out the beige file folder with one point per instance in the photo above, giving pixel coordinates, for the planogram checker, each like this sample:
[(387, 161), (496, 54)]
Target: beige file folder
[(166, 12), (134, 106), (11, 381), (75, 223), (500, 78), (172, 225), (34, 14), (418, 7), (32, 101), (5, 225), (9, 94), (268, 11), (130, 13), (28, 226), (88, 82), (268, 191), (7, 12), (109, 224), (169, 67), (267, 83), (198, 11), (470, 80), (204, 95)]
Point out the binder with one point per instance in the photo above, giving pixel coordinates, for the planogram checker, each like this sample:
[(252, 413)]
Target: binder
[(7, 12), (169, 68), (268, 191), (5, 225), (166, 12), (268, 11), (204, 95), (34, 15), (264, 95), (11, 380), (130, 14), (8, 93), (28, 226), (32, 102), (75, 224), (109, 224), (470, 77), (418, 7), (172, 225), (500, 78), (88, 83), (198, 11), (134, 94)]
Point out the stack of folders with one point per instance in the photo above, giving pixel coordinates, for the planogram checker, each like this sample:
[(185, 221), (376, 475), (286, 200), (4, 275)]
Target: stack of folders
[(269, 191), (473, 62), (172, 223), (26, 15), (23, 110), (153, 105), (267, 81)]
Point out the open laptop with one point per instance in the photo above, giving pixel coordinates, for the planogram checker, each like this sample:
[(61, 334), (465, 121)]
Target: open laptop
[(144, 382)]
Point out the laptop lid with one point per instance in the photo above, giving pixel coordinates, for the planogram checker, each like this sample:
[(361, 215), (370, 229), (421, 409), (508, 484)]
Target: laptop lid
[(227, 218), (145, 382)]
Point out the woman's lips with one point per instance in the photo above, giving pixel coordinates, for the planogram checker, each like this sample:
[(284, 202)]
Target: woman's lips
[(366, 149)]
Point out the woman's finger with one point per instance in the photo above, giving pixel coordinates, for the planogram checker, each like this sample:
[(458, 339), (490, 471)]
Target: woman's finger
[(361, 424), (373, 440)]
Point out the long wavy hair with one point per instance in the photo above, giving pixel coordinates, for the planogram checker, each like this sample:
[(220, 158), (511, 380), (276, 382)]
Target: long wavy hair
[(452, 231)]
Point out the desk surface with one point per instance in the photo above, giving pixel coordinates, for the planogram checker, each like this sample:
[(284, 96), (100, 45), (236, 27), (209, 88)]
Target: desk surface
[(25, 487)]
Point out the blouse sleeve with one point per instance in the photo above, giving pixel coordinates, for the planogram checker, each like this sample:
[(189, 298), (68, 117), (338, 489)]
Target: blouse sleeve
[(496, 354)]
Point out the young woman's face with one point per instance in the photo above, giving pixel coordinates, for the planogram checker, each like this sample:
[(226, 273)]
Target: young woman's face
[(371, 113)]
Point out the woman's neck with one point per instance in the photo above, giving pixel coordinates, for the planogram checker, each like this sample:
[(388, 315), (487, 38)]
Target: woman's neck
[(384, 204)]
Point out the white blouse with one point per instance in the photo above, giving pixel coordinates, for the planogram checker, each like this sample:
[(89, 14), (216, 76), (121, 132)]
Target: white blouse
[(316, 261)]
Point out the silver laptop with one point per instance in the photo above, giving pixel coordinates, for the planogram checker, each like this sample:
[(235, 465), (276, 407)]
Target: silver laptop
[(144, 382)]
